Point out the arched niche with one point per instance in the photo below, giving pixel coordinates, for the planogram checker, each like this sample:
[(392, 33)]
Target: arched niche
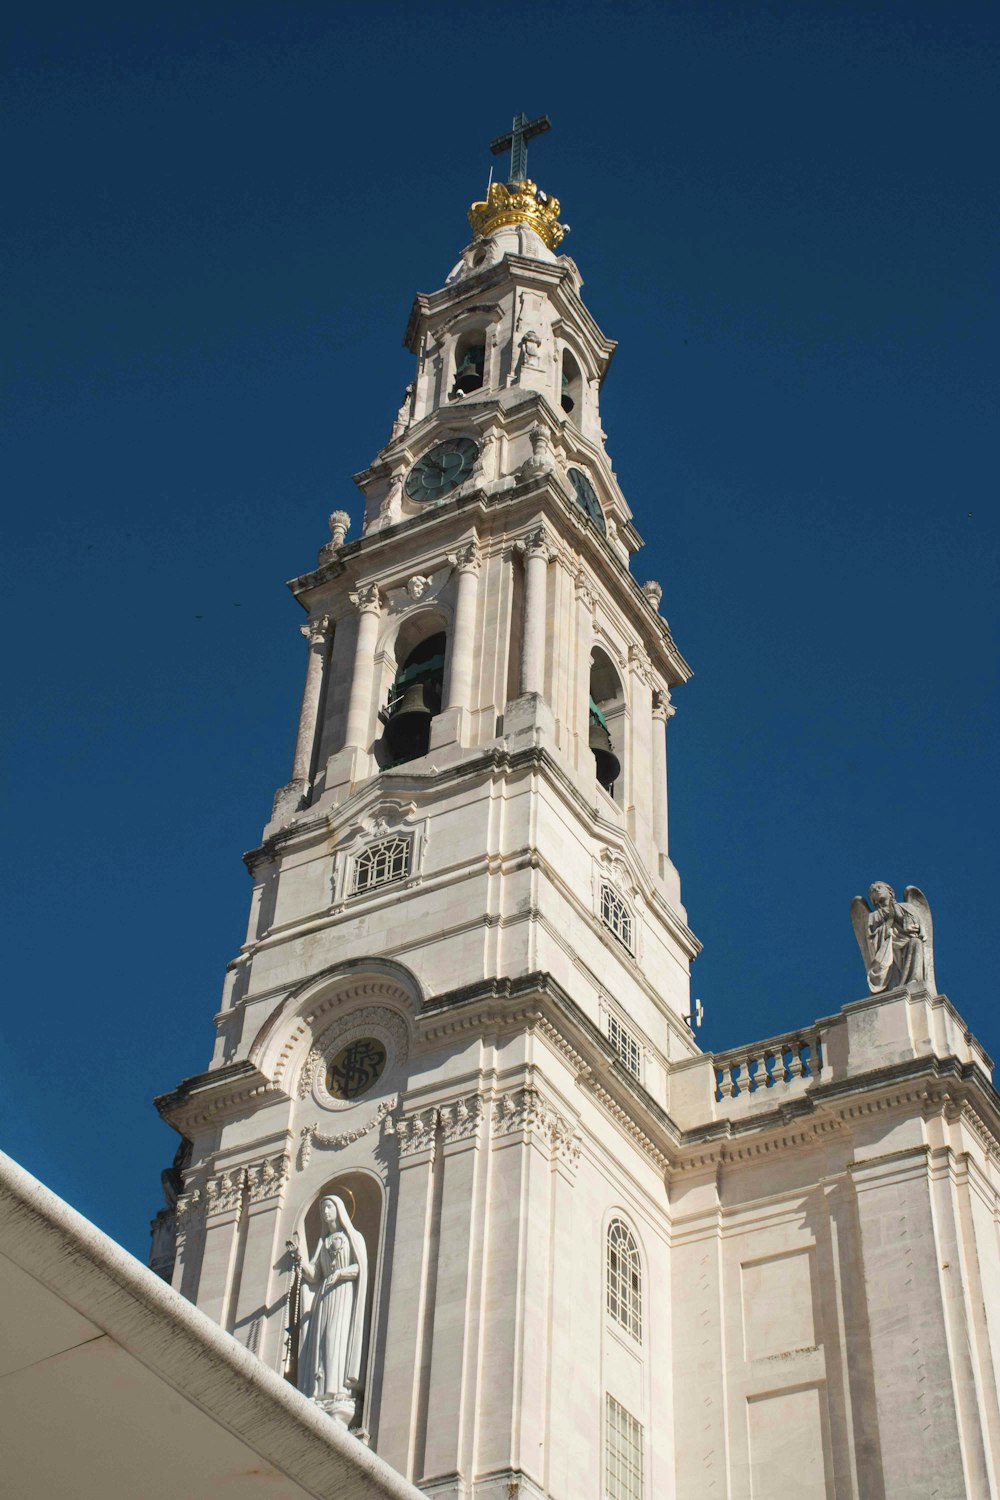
[(606, 722), (363, 1195)]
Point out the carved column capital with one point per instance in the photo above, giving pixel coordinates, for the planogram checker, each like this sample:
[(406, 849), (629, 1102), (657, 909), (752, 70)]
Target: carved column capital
[(367, 600), (317, 631), (536, 544), (468, 558), (663, 709)]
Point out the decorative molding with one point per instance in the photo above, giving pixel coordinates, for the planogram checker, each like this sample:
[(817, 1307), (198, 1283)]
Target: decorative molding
[(223, 1192), (461, 1120), (526, 1110), (414, 1132), (311, 1135)]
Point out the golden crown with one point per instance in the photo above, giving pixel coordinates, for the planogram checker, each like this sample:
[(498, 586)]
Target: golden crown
[(518, 203)]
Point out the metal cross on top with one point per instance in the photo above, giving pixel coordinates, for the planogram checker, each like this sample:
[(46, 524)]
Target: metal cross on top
[(516, 142)]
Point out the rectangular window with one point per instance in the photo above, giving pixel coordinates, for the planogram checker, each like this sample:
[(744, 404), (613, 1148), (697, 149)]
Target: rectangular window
[(622, 1454), (380, 864), (625, 1045)]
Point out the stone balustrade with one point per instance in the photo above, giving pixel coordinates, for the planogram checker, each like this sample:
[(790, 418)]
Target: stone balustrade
[(778, 1069)]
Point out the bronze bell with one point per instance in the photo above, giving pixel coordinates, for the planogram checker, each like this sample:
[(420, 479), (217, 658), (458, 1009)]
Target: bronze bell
[(609, 767), (469, 375), (408, 729)]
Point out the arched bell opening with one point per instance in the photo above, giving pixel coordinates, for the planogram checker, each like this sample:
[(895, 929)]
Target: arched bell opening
[(470, 364), (414, 699), (605, 719), (571, 388)]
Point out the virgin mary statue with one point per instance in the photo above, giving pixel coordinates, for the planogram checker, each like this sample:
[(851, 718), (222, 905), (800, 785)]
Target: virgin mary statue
[(329, 1367)]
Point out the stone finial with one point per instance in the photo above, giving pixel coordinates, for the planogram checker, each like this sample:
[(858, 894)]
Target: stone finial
[(541, 461), (896, 938), (340, 524), (653, 593)]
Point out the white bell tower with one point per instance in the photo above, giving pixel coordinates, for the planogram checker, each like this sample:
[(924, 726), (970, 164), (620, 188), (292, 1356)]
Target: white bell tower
[(465, 975)]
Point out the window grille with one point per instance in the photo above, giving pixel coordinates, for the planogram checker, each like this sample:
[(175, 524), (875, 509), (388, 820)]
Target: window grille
[(625, 1045), (380, 864), (616, 916), (624, 1279), (622, 1454)]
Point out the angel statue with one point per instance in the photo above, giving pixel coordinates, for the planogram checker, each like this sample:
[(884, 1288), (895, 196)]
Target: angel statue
[(896, 938), (333, 1316)]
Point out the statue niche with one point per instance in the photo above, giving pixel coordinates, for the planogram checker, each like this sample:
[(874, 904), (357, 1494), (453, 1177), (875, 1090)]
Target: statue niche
[(329, 1302), (896, 938)]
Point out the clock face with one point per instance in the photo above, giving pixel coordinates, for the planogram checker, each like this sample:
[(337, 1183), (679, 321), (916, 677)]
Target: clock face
[(442, 469), (587, 500)]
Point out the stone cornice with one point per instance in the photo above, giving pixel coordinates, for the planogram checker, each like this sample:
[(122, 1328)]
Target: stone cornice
[(206, 1096), (928, 1085), (539, 1001)]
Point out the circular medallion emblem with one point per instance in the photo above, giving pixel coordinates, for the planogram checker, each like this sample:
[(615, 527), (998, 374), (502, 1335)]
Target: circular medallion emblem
[(356, 1068)]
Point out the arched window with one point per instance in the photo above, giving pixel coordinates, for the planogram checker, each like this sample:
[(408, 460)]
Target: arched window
[(414, 699), (624, 1279), (470, 363)]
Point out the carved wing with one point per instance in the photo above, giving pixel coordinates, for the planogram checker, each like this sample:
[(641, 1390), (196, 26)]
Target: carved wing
[(860, 911), (914, 896)]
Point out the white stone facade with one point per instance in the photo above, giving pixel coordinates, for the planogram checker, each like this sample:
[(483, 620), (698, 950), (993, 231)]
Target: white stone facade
[(804, 1295)]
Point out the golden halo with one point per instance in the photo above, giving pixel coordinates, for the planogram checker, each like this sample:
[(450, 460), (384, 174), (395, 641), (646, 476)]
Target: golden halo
[(348, 1199)]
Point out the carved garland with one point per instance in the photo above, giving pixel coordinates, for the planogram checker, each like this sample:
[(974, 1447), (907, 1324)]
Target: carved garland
[(312, 1135)]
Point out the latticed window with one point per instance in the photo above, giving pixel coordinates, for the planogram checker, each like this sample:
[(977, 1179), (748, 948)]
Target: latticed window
[(616, 916), (622, 1454), (380, 864), (625, 1045), (624, 1279)]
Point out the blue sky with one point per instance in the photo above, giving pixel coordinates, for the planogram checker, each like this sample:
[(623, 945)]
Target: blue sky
[(217, 218)]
